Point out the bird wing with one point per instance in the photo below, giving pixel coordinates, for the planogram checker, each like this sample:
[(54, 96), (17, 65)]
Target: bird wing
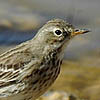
[(12, 65)]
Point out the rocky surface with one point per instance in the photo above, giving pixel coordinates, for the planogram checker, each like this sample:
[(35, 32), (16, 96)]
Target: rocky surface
[(58, 95)]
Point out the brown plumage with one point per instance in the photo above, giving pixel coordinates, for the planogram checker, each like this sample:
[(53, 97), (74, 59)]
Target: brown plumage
[(29, 69)]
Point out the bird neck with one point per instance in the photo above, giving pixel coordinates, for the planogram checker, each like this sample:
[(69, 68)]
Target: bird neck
[(39, 48)]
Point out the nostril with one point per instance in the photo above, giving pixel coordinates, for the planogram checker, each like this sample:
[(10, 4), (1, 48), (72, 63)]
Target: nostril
[(76, 30)]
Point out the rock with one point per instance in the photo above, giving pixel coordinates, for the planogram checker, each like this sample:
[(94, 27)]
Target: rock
[(58, 96)]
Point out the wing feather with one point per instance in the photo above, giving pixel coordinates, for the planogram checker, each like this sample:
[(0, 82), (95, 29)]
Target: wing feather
[(12, 66)]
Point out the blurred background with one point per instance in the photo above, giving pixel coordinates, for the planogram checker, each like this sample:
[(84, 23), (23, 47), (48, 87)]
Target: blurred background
[(80, 75)]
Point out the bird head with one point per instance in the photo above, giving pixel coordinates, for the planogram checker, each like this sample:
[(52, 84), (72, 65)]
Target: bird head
[(58, 32)]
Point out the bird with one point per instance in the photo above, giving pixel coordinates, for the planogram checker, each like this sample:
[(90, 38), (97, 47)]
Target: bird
[(29, 69)]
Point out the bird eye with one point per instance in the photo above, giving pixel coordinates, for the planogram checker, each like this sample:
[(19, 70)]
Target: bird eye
[(58, 32)]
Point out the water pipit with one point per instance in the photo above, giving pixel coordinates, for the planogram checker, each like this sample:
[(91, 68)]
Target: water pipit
[(30, 68)]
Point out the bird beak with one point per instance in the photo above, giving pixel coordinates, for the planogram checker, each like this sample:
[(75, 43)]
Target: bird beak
[(80, 31)]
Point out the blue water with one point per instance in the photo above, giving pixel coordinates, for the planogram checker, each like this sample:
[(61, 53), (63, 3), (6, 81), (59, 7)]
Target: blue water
[(9, 37)]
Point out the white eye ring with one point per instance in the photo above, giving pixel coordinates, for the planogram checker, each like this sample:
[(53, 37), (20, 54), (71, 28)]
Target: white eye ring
[(57, 32)]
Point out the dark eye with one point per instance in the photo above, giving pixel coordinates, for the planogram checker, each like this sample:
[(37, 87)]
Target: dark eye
[(58, 32)]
